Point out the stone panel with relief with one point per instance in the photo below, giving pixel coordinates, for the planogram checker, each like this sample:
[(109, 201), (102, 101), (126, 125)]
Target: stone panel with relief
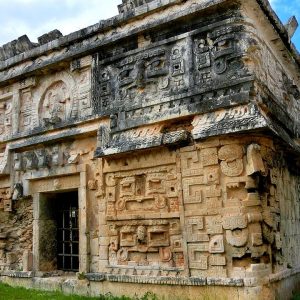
[(143, 214), (6, 112), (225, 218)]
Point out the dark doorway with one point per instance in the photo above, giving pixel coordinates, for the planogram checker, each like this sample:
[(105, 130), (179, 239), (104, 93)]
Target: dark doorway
[(58, 232), (67, 232)]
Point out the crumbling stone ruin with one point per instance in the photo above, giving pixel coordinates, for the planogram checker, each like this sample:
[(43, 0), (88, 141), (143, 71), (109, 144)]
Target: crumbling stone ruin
[(154, 151)]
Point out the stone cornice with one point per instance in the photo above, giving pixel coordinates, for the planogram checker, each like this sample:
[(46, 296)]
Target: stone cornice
[(127, 17)]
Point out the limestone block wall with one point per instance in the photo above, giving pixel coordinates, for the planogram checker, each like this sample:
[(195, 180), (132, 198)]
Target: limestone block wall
[(16, 230), (208, 210), (223, 208), (49, 168)]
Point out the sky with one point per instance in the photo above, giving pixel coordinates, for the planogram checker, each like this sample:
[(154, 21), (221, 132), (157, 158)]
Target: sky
[(36, 17), (285, 9)]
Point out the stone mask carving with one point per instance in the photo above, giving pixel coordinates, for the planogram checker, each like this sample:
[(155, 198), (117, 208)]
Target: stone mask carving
[(141, 234)]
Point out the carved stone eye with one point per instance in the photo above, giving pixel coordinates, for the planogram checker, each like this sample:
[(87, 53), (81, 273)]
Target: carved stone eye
[(177, 67), (176, 52), (223, 44), (220, 66), (124, 74), (105, 76), (155, 64)]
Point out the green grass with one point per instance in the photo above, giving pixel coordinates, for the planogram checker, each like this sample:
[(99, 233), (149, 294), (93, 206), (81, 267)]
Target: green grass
[(16, 293), (296, 297)]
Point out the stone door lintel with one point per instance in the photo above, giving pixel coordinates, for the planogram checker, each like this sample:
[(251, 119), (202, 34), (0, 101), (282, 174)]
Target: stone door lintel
[(70, 179)]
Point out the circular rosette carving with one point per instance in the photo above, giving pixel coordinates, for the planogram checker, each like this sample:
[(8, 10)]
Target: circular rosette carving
[(121, 204), (122, 255), (232, 160), (238, 237), (232, 169), (220, 65), (160, 201), (230, 152)]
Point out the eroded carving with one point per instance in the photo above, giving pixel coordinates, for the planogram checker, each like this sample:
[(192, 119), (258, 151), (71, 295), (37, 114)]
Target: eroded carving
[(142, 210), (6, 116), (31, 160), (18, 162), (17, 191), (254, 160), (54, 106), (43, 159), (223, 206), (26, 110), (137, 193), (129, 5), (143, 243), (231, 157)]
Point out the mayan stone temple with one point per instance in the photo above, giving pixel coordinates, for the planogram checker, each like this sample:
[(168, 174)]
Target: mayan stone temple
[(158, 150)]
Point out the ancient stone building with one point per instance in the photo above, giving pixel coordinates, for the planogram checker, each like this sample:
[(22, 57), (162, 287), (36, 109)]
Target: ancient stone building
[(154, 151)]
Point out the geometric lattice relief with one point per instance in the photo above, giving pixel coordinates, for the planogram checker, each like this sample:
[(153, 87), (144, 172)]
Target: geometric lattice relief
[(140, 192), (222, 208), (142, 213), (225, 219), (147, 243)]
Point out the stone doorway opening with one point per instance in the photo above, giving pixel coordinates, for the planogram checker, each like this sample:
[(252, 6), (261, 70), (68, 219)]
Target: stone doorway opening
[(59, 232), (68, 233)]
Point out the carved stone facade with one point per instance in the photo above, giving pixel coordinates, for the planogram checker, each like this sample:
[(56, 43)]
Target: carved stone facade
[(157, 150), (143, 218), (222, 225)]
